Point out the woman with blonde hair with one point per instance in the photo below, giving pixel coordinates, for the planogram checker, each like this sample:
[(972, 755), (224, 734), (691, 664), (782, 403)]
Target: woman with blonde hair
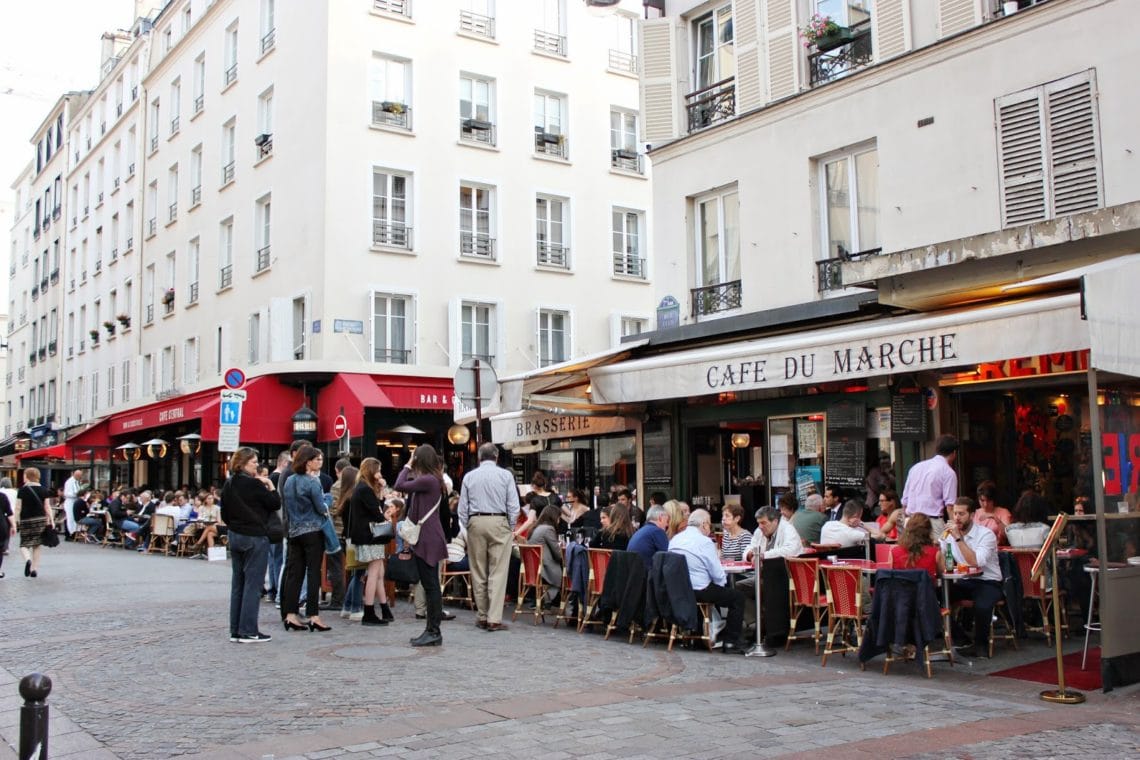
[(364, 509), (32, 516), (678, 512)]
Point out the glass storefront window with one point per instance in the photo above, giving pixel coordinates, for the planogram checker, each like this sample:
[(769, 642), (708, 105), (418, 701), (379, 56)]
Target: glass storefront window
[(795, 455)]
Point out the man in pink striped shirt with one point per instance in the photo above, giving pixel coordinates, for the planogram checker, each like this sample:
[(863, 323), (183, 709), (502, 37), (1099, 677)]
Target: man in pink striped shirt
[(932, 485)]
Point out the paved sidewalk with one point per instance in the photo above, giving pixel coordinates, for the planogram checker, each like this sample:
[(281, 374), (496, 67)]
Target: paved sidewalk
[(137, 648)]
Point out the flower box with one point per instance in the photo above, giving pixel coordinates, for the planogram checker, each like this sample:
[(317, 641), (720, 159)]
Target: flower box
[(392, 106), (839, 38), (168, 296)]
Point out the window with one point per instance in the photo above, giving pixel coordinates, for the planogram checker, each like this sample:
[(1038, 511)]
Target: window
[(300, 319), (715, 54), (219, 349), (398, 7), (155, 115), (229, 74), (477, 17), (853, 50), (149, 286), (391, 217), (175, 105), (226, 255), (193, 253), (168, 292), (187, 20), (623, 48), (549, 27), (166, 377), (264, 215), (264, 139), (94, 394), (111, 386), (199, 83), (623, 141), (552, 232), (633, 326), (268, 26), (1049, 150), (126, 375), (196, 176), (476, 122), (147, 375), (549, 124), (152, 204), (717, 253), (229, 142), (172, 194), (51, 399), (190, 361), (476, 331), (167, 39), (475, 217), (254, 338), (389, 82), (628, 258), (391, 328), (553, 336), (850, 183)]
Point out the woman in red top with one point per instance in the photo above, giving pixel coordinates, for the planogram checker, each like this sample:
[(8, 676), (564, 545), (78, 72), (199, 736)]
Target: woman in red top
[(890, 515), (916, 550)]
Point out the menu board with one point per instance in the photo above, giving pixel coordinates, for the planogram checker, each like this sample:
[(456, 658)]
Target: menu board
[(846, 443), (908, 415), (657, 442)]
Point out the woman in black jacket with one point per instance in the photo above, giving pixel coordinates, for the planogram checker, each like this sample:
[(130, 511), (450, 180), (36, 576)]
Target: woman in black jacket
[(247, 502), (365, 509)]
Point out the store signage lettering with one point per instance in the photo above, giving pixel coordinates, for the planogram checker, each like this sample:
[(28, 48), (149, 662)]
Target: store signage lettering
[(1121, 463), (435, 399), (846, 361), (1070, 361), (170, 414), (545, 426)]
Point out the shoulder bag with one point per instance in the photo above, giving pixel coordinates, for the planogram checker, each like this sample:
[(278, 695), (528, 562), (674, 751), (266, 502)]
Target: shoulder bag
[(402, 568), (409, 530), (382, 532), (48, 537)]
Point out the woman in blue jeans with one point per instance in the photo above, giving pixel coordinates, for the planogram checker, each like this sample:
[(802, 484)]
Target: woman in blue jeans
[(305, 503), (247, 502)]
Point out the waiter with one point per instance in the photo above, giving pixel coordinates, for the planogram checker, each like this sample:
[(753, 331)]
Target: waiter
[(932, 485), (488, 511)]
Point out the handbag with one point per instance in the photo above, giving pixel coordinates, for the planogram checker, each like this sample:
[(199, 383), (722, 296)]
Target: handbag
[(49, 537), (350, 560), (382, 532), (402, 569), (274, 527), (332, 542), (410, 531)]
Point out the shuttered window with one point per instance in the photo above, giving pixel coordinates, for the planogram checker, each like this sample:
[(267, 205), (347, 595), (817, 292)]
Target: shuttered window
[(1048, 150)]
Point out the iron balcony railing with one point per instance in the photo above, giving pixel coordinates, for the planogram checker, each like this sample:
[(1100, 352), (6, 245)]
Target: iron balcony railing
[(195, 195), (548, 42), (391, 234), (174, 124), (489, 358), (148, 317), (172, 212), (154, 142), (231, 74), (473, 23), (827, 65), (398, 7), (622, 61), (268, 41), (829, 275), (392, 114), (714, 103), (391, 355), (225, 276), (553, 254), (151, 227), (479, 245), (263, 258), (715, 298), (626, 160), (550, 143), (629, 266), (192, 294), (228, 173), (476, 130), (264, 144)]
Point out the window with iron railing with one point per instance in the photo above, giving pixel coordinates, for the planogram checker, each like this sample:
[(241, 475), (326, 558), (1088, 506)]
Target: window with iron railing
[(225, 277), (391, 234), (192, 293), (476, 130), (391, 113), (550, 43), (396, 7), (268, 40), (479, 245), (622, 61), (228, 173), (262, 259), (231, 75), (553, 255), (477, 24)]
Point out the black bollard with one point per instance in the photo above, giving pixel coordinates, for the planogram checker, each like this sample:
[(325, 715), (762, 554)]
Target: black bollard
[(34, 689)]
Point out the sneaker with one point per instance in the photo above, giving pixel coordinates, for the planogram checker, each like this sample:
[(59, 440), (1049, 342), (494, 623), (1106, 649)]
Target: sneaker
[(357, 616), (234, 637), (344, 613), (257, 638)]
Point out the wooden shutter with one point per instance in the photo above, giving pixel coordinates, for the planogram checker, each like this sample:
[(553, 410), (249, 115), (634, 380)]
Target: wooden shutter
[(1021, 157), (280, 348), (890, 28), (782, 51), (659, 93), (746, 36), (1074, 160), (957, 16)]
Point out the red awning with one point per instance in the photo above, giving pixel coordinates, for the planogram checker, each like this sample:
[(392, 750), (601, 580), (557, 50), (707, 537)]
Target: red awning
[(94, 435), (66, 452), (169, 412), (348, 394), (266, 415)]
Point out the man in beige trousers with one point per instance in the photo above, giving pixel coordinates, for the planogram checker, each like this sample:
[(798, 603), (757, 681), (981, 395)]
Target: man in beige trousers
[(488, 511)]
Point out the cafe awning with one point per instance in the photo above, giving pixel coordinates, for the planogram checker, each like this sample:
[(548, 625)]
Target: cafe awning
[(912, 343)]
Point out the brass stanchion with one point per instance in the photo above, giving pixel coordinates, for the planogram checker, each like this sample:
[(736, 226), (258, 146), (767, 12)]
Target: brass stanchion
[(1060, 695)]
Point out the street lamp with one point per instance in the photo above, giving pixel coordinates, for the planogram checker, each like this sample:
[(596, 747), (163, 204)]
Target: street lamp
[(458, 434), (191, 444), (155, 448), (130, 453), (305, 424)]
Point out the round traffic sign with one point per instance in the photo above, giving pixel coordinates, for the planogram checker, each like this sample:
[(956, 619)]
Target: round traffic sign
[(465, 377), (234, 378), (340, 426)]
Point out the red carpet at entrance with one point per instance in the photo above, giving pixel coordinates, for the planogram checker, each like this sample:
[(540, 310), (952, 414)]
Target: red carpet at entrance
[(1045, 671)]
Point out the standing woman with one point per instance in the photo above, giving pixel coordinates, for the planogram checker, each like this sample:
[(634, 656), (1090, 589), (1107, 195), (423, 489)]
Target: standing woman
[(32, 515), (305, 504), (247, 501), (422, 480), (364, 508)]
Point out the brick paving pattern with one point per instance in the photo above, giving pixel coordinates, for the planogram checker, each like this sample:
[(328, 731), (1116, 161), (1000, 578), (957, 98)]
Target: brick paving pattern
[(138, 651)]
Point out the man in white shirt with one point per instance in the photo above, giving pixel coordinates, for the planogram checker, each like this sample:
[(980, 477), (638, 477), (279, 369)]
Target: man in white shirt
[(773, 537), (72, 487), (932, 485), (707, 576), (976, 546), (848, 530)]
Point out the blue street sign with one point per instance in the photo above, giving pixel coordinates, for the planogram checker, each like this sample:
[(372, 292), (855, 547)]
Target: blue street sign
[(230, 413), (234, 378)]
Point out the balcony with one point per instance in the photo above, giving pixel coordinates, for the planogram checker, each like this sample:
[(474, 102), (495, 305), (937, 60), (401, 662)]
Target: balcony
[(148, 314), (396, 7), (225, 276), (489, 358), (32, 358), (54, 276), (391, 234), (199, 104), (829, 275), (391, 355), (715, 298), (264, 143), (172, 212), (98, 266), (476, 130), (477, 245), (626, 160), (134, 92), (44, 284), (624, 62), (195, 195), (52, 347), (262, 259), (832, 61), (473, 23), (43, 353), (549, 43), (228, 173), (268, 40), (231, 75), (192, 293), (129, 245), (118, 109), (99, 199), (389, 113), (114, 255), (151, 227), (130, 170), (553, 255), (550, 143), (115, 184), (626, 265), (168, 307), (714, 103), (154, 143), (35, 292), (174, 124)]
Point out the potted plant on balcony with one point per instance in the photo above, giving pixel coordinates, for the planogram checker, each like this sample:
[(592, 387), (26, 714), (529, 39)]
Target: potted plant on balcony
[(392, 107), (94, 336), (625, 153), (476, 124), (822, 33), (109, 326), (124, 320), (168, 296)]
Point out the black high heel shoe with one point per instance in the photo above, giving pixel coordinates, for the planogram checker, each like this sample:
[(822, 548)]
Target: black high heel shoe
[(291, 626), (318, 627)]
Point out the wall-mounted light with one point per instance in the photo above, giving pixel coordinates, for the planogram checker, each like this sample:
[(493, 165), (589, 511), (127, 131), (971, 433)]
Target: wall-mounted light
[(458, 434), (304, 424), (191, 443), (129, 451), (155, 448), (741, 440)]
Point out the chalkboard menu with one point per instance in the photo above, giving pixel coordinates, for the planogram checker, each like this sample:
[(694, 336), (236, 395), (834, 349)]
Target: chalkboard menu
[(657, 441), (846, 444), (908, 415)]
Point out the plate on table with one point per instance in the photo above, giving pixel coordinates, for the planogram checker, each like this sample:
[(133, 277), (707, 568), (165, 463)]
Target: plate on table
[(1134, 561)]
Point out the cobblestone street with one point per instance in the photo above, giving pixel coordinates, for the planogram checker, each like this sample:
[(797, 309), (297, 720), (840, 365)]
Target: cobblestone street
[(137, 649)]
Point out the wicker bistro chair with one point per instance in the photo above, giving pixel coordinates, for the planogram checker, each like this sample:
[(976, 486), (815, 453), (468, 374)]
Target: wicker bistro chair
[(599, 563), (161, 533), (804, 594), (530, 577), (663, 600), (449, 579), (844, 609), (1038, 593), (1001, 612)]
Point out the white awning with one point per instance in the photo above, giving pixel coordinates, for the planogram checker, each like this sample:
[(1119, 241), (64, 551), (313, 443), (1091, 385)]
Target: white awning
[(540, 426), (912, 343), (1113, 312), (559, 387)]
